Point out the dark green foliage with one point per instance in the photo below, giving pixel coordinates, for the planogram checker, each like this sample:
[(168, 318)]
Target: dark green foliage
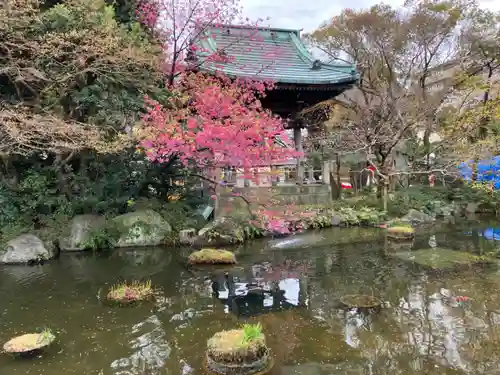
[(82, 63), (432, 201), (104, 238), (125, 10), (99, 184)]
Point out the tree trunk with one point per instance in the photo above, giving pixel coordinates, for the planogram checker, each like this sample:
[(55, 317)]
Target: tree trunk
[(337, 172), (474, 169), (59, 164), (385, 194)]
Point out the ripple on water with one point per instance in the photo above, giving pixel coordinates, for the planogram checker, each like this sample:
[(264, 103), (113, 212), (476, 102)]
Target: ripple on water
[(22, 276), (150, 349)]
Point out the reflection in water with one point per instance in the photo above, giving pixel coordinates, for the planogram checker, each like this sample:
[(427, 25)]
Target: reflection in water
[(249, 299), (293, 291), (270, 288)]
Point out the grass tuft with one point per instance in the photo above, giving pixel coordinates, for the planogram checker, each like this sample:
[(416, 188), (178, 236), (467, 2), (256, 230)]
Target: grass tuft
[(135, 291), (252, 333)]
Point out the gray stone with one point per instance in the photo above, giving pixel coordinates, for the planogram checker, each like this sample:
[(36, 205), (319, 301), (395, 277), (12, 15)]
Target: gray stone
[(222, 231), (415, 217), (187, 236), (471, 208), (24, 249), (336, 220), (79, 231), (141, 228)]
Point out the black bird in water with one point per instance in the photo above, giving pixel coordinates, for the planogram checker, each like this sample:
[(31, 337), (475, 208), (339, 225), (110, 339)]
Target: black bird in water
[(229, 284), (215, 288)]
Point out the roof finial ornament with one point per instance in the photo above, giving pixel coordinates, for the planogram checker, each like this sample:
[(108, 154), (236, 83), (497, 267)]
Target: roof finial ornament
[(316, 65)]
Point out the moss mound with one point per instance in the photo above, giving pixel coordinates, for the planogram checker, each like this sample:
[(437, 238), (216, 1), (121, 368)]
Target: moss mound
[(29, 342), (401, 232), (212, 256), (129, 293), (233, 347)]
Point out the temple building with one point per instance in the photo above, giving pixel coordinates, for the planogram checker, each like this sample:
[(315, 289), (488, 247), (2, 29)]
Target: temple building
[(279, 55)]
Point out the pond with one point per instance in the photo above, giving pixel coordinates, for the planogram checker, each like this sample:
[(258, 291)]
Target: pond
[(421, 329)]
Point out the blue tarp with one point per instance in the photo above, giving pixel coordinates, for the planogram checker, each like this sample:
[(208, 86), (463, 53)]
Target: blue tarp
[(488, 233), (487, 171), (492, 234)]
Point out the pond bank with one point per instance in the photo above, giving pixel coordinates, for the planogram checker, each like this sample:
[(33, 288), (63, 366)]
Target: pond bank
[(143, 228)]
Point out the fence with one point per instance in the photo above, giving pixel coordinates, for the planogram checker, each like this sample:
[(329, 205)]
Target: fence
[(279, 176)]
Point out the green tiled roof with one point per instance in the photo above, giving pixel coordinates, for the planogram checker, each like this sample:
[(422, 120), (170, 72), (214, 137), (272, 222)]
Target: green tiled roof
[(269, 54)]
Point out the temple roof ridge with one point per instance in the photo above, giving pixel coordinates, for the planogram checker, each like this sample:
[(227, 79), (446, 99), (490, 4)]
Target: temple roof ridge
[(271, 53)]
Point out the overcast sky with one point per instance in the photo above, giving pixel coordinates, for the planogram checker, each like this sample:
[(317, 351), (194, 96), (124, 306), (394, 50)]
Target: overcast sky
[(309, 14)]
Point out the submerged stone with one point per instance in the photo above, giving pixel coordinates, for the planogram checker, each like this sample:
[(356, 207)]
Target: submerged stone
[(441, 259), (361, 301), (212, 256)]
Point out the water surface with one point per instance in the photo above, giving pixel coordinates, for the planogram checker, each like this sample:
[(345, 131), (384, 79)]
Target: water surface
[(419, 331)]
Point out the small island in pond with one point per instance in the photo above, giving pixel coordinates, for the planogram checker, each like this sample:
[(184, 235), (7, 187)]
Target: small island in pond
[(135, 292), (30, 343), (239, 351)]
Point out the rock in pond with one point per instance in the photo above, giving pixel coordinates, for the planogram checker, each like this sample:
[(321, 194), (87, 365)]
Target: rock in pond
[(79, 231), (141, 228), (221, 232), (415, 217), (26, 248), (187, 236), (212, 256), (29, 343), (236, 352), (401, 233)]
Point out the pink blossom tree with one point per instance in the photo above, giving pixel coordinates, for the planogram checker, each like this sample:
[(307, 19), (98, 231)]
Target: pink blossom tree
[(212, 121), (177, 23)]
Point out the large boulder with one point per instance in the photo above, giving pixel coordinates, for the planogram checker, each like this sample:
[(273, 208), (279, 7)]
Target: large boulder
[(141, 228), (79, 230), (222, 231), (26, 248)]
